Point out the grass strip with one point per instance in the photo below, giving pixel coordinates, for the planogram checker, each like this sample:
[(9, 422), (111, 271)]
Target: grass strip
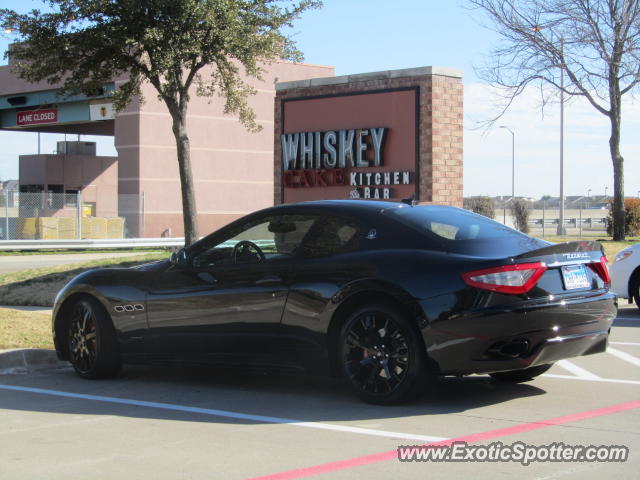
[(20, 329), (82, 251), (39, 286)]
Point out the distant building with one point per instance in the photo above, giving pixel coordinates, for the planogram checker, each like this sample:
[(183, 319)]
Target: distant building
[(10, 185), (74, 169)]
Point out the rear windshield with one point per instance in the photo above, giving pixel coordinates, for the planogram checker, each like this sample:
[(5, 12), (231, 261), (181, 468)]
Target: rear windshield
[(461, 231)]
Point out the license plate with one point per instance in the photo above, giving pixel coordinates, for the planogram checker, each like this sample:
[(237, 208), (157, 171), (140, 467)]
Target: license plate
[(574, 277)]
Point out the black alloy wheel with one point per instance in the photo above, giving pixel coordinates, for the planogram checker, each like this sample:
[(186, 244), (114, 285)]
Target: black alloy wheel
[(382, 356), (518, 376), (92, 342)]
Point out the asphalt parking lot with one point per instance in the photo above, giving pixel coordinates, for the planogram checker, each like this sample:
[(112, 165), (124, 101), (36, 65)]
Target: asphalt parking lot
[(210, 424)]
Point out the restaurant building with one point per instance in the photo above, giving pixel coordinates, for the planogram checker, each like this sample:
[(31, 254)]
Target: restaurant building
[(389, 135)]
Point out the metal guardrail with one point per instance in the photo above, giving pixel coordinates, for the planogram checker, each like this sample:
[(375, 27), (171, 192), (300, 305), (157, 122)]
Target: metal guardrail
[(569, 221), (90, 244)]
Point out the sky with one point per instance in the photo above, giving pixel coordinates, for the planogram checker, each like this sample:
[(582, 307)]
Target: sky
[(358, 36)]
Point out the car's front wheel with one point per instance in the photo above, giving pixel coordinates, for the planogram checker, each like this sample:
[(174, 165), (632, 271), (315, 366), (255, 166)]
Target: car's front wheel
[(381, 355), (524, 375), (92, 341)]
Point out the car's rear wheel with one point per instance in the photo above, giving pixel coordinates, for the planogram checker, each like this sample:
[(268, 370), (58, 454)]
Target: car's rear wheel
[(92, 341), (381, 355), (524, 375)]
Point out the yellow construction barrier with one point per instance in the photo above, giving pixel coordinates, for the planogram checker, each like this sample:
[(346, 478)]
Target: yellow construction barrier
[(64, 228), (47, 228), (115, 227), (67, 228), (26, 228), (94, 228)]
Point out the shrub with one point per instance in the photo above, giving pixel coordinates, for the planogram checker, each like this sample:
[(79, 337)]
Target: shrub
[(520, 212), (631, 217), (481, 206)]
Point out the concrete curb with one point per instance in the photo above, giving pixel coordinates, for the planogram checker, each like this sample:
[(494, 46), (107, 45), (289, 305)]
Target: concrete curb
[(24, 359)]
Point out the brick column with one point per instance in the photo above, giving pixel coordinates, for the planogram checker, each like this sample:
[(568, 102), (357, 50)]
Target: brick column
[(446, 141)]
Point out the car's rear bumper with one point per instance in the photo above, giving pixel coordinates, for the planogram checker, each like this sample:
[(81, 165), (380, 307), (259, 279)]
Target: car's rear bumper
[(521, 336)]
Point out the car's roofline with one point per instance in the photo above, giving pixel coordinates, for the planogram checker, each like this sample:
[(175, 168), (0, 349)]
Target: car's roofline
[(371, 206), (364, 210)]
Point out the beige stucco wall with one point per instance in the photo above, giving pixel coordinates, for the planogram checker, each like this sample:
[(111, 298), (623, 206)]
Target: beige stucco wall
[(11, 84), (232, 168)]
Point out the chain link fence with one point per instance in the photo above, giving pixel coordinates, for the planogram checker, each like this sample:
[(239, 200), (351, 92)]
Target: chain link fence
[(69, 216)]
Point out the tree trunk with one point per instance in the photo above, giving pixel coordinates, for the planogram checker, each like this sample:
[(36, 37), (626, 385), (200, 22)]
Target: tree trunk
[(618, 180), (189, 210)]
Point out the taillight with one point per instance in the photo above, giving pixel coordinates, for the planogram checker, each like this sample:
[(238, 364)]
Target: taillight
[(512, 279), (602, 270)]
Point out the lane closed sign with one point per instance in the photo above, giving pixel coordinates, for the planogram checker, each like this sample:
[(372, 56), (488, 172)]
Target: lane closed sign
[(37, 117)]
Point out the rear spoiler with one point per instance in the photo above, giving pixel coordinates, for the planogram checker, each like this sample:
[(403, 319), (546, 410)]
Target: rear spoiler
[(578, 252)]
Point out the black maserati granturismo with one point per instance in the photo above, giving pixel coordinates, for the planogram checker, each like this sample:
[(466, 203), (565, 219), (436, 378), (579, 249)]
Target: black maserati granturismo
[(387, 295)]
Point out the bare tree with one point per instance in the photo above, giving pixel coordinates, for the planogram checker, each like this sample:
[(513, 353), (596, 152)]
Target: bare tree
[(594, 43)]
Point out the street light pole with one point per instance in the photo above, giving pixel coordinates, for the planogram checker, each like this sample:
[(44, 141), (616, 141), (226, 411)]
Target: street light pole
[(561, 230), (513, 161)]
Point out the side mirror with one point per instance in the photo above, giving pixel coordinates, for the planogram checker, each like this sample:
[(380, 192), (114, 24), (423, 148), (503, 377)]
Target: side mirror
[(180, 259)]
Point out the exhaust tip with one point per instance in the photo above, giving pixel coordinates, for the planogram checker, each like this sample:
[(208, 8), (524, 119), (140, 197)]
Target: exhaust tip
[(515, 348)]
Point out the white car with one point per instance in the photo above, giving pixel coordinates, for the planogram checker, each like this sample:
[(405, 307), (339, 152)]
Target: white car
[(625, 274)]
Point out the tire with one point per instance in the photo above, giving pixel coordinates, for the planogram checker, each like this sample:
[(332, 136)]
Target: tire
[(382, 356), (93, 345), (519, 376), (636, 294)]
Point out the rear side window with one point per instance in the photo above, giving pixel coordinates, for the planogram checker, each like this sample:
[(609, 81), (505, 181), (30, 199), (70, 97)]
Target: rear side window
[(460, 231)]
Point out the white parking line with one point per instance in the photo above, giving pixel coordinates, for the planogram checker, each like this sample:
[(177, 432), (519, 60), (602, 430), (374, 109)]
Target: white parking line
[(226, 414), (597, 379), (576, 370), (624, 356), (634, 344)]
